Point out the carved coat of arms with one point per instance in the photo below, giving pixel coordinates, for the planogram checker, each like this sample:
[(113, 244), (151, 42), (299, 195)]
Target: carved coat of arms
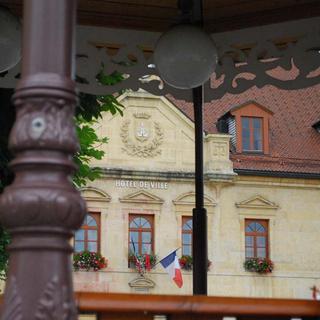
[(141, 137), (142, 131)]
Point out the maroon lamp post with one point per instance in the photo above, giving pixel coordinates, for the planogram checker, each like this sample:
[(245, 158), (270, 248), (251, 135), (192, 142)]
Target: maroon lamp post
[(41, 209)]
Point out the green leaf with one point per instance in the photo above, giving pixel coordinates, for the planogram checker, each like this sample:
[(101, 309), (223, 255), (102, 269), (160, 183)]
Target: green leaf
[(109, 79), (88, 111)]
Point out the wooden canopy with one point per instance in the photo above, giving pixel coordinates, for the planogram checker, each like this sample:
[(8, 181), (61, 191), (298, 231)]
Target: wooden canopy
[(158, 15)]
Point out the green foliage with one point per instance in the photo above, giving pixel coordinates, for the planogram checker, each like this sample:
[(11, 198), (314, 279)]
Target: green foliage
[(259, 265), (7, 116), (109, 79), (89, 149), (109, 103), (86, 260), (91, 106), (186, 262), (88, 111), (4, 256)]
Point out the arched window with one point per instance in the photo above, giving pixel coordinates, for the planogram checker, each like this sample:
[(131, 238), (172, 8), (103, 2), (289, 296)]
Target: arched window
[(88, 237), (256, 232), (140, 234), (186, 236)]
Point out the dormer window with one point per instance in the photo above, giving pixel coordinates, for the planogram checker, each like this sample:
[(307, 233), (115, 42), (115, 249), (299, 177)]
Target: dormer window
[(251, 133), (248, 126)]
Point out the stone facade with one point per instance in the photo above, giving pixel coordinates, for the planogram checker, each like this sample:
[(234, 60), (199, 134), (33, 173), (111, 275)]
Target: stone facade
[(148, 169)]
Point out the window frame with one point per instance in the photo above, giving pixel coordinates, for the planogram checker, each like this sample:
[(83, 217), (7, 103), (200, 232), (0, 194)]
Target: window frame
[(184, 220), (265, 224), (255, 110), (97, 218), (251, 134), (150, 219)]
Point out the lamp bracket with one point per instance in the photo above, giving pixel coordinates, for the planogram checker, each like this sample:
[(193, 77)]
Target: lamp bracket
[(190, 11)]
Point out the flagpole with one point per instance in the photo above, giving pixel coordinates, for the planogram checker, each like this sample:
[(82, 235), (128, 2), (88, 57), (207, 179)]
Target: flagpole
[(135, 254)]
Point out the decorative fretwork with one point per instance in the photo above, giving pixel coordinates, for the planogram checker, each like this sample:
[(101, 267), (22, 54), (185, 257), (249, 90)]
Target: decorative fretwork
[(291, 63), (294, 67)]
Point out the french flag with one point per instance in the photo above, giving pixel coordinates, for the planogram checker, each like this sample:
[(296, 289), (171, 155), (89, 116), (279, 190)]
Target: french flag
[(172, 266)]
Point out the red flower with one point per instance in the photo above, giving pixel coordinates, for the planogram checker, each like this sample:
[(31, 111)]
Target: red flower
[(89, 260)]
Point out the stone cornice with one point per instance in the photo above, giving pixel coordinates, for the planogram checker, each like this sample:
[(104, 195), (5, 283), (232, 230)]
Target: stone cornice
[(164, 175)]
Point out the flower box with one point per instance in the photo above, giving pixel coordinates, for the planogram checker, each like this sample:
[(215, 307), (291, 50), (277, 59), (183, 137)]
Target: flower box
[(259, 265), (86, 260), (186, 263)]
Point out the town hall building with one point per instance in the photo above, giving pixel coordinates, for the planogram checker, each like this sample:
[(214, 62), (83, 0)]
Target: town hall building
[(262, 187)]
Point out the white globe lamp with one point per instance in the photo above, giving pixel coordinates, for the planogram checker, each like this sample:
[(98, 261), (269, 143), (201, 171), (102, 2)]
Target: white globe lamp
[(10, 40), (185, 56)]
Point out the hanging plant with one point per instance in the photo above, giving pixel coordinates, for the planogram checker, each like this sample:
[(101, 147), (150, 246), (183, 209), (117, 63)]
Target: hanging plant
[(86, 260), (259, 265)]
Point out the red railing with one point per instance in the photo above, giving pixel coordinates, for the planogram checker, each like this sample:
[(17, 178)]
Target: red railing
[(114, 306)]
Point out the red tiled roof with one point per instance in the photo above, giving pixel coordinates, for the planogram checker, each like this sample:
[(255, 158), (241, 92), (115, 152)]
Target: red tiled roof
[(294, 143)]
